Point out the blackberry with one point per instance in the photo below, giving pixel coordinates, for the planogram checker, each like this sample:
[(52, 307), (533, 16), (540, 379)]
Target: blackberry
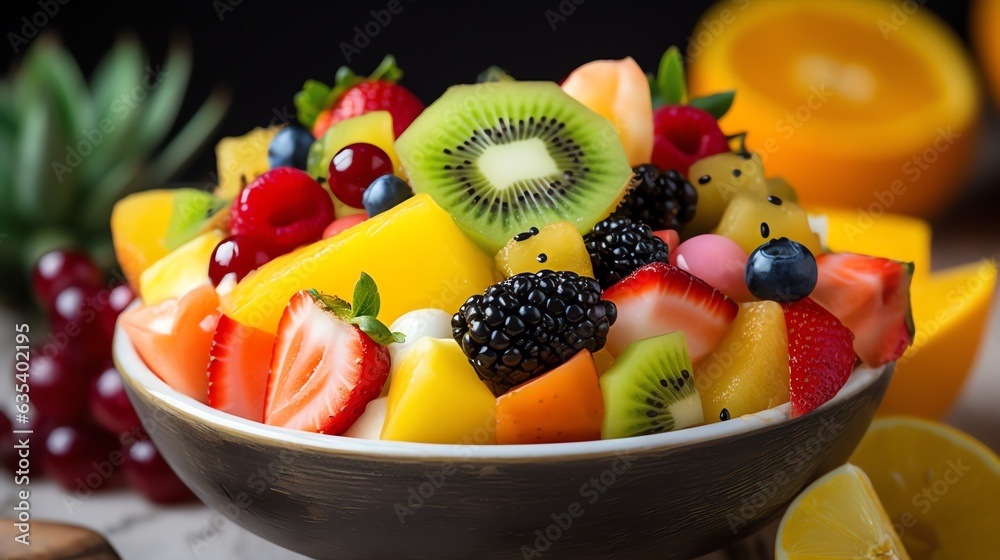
[(531, 323), (661, 200), (618, 247)]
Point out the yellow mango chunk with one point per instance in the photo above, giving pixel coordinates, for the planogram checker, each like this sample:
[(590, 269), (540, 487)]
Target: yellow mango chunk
[(436, 397), (414, 252), (139, 227), (184, 269), (241, 159)]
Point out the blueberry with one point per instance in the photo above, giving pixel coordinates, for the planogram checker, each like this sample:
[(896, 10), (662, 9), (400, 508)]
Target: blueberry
[(781, 270), (384, 193), (290, 147)]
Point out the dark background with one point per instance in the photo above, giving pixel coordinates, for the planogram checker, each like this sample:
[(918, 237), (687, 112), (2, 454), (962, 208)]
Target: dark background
[(264, 51)]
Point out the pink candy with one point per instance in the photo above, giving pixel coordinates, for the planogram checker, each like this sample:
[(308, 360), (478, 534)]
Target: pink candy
[(717, 260)]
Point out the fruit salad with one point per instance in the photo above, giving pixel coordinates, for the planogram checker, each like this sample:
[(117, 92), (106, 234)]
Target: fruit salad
[(515, 263)]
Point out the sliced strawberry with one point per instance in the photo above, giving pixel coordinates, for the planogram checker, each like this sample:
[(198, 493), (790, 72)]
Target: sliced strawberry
[(820, 354), (378, 96), (329, 361), (870, 296), (660, 298), (237, 372)]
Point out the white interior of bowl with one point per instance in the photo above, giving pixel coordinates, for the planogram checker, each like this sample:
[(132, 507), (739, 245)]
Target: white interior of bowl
[(135, 370)]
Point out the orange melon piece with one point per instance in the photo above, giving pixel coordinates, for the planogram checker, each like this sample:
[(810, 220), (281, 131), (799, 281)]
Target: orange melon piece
[(564, 404), (618, 91), (139, 228), (174, 339)]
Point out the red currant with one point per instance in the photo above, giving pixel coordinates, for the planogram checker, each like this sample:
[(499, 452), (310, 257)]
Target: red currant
[(109, 404), (119, 298), (57, 270), (147, 472), (57, 387), (282, 209), (238, 255), (81, 456), (353, 168)]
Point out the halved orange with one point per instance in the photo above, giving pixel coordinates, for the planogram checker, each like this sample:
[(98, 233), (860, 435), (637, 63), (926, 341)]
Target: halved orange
[(939, 486), (984, 25), (857, 103)]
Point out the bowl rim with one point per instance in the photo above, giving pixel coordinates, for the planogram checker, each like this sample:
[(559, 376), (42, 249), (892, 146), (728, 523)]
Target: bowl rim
[(143, 382)]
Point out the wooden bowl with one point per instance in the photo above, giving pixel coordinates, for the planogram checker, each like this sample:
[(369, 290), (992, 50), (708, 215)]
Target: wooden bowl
[(671, 495)]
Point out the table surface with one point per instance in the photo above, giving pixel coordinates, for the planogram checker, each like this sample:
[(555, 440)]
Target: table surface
[(138, 529)]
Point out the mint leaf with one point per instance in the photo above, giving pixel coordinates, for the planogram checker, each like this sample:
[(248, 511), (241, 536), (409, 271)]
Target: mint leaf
[(716, 104), (670, 78), (191, 209), (310, 101), (377, 330), (366, 299), (338, 306)]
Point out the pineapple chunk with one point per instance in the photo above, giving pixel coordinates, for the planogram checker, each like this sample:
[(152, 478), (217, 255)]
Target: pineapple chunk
[(241, 159), (183, 270), (748, 371), (557, 246), (415, 252), (139, 225), (437, 397), (751, 221)]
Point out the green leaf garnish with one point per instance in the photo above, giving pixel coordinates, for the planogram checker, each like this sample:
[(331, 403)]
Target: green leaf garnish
[(364, 311), (310, 101), (494, 74), (670, 77), (365, 298), (716, 104), (316, 96), (191, 209)]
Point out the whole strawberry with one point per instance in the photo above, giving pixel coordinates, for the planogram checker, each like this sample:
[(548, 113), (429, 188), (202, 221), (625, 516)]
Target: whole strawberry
[(319, 106)]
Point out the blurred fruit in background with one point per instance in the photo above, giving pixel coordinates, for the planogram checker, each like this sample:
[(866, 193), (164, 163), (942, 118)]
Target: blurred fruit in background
[(950, 309), (856, 103), (70, 149), (984, 26)]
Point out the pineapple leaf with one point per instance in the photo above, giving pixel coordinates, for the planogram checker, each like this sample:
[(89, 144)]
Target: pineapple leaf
[(118, 73), (164, 102), (8, 217), (96, 211), (179, 152), (8, 112), (44, 183), (49, 70)]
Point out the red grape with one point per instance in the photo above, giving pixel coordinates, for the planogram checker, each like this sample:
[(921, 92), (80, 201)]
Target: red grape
[(239, 255), (81, 456), (118, 299), (74, 318), (57, 270), (353, 168), (57, 387), (147, 472), (109, 404)]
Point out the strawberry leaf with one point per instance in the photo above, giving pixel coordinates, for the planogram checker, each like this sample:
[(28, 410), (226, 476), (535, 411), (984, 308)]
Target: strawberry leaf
[(377, 330), (310, 101), (387, 70), (366, 299), (716, 104), (338, 306)]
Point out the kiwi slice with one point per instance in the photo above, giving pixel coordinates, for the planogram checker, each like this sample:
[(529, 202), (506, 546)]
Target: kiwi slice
[(650, 389), (502, 157)]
